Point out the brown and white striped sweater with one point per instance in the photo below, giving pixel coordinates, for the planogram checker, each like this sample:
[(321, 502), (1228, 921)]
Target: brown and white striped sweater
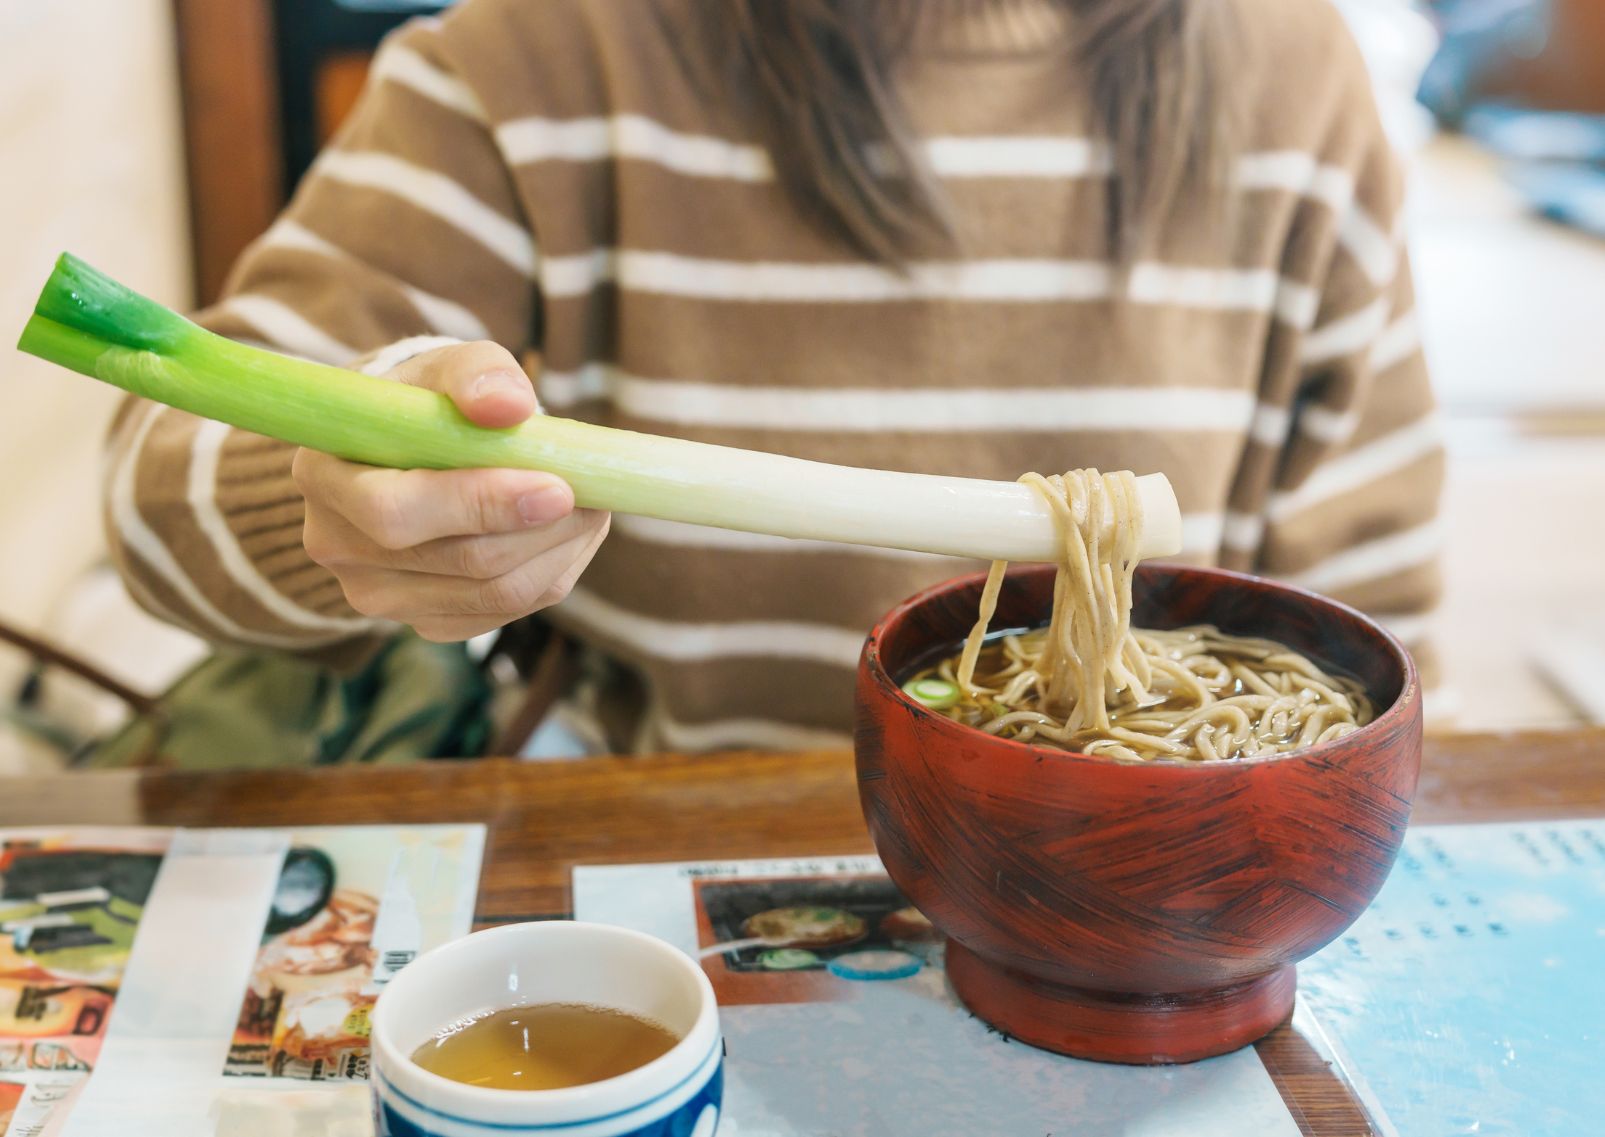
[(546, 174)]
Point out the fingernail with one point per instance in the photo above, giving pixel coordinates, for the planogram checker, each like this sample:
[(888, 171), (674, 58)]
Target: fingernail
[(547, 504), (497, 383)]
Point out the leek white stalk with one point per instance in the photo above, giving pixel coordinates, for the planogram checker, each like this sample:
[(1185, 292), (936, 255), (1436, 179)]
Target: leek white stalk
[(88, 322)]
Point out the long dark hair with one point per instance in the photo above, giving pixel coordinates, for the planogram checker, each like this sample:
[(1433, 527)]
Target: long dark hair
[(819, 79)]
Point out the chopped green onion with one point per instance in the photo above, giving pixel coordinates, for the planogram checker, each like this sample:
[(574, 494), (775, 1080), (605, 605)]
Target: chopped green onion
[(86, 321), (938, 694)]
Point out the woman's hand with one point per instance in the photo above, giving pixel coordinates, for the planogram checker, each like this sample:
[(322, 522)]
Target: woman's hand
[(453, 553)]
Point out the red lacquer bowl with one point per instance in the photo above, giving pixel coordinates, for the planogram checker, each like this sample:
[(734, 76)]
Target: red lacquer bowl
[(1128, 912)]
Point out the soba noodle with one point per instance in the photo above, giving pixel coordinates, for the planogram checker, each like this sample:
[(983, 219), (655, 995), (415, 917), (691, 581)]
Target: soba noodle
[(1090, 682)]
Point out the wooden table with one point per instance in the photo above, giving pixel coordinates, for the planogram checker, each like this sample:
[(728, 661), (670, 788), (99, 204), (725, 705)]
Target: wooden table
[(546, 818)]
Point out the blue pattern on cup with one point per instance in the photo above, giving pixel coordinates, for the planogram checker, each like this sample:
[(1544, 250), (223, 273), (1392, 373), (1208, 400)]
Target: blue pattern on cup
[(697, 1117)]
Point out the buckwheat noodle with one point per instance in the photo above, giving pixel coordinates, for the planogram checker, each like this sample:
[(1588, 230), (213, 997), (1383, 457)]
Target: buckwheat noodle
[(1090, 682)]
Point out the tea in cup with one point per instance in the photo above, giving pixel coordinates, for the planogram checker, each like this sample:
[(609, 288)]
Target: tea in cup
[(586, 1029)]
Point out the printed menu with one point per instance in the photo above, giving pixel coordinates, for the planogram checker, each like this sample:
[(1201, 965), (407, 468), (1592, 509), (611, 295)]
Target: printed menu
[(386, 894), (1470, 997), (70, 904), (852, 1029), (123, 950)]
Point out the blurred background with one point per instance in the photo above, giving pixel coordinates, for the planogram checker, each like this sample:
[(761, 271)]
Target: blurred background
[(157, 137)]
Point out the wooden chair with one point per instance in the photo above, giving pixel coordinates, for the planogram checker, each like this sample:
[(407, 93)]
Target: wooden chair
[(264, 84)]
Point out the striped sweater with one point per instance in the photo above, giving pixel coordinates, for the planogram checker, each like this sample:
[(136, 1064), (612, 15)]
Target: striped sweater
[(546, 174)]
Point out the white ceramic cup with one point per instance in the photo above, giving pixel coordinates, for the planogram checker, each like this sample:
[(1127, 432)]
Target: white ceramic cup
[(676, 1095)]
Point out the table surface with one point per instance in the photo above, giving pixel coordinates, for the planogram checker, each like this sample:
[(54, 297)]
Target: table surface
[(545, 818)]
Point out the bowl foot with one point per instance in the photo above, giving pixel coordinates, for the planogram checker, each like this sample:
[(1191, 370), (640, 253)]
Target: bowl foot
[(1106, 1026)]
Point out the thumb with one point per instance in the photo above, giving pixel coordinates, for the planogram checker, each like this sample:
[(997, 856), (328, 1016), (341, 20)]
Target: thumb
[(481, 378)]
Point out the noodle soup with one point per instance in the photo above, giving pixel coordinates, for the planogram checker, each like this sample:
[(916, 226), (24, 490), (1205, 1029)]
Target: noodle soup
[(1132, 911), (1217, 696)]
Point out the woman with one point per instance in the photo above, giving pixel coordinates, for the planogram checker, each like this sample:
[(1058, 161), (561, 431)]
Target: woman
[(962, 236)]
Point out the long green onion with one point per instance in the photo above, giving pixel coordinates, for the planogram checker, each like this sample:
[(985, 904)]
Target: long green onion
[(88, 322)]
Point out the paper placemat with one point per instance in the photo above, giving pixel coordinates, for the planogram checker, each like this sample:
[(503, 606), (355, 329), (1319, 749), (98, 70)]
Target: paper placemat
[(144, 992), (813, 1050), (1469, 999)]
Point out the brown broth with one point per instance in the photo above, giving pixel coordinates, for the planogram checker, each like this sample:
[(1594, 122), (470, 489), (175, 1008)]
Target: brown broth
[(548, 1046)]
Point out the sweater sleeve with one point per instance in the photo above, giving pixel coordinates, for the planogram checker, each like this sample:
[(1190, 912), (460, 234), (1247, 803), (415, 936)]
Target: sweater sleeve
[(1340, 490), (407, 230)]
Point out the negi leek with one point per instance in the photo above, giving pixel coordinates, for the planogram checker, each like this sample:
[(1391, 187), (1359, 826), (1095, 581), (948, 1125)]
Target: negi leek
[(90, 323)]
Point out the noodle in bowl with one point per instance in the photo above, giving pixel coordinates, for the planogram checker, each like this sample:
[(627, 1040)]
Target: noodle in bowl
[(1211, 696), (1092, 683), (1134, 911)]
